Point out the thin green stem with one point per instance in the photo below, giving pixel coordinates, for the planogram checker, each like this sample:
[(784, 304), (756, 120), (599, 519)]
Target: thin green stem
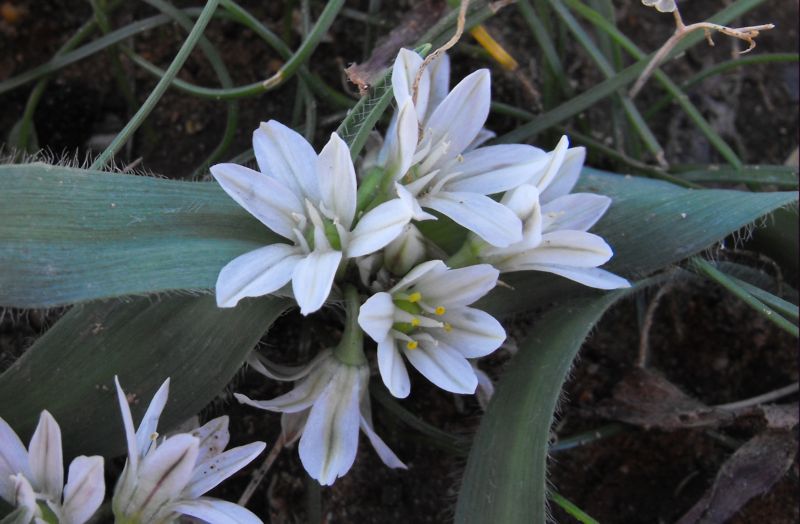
[(161, 87), (350, 350), (572, 509), (725, 281)]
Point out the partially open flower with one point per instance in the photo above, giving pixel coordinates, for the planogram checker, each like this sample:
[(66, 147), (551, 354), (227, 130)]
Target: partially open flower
[(665, 6)]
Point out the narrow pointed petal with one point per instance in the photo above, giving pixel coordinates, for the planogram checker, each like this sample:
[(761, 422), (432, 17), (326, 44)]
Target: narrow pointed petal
[(147, 427), (404, 72), (283, 373), (588, 276), (392, 368), (330, 439), (577, 211), (378, 227), (567, 175), (163, 474), (429, 269), (569, 248), (401, 142), (312, 279), (257, 273), (337, 180), (85, 489), (46, 459), (23, 497), (545, 176), (458, 287), (215, 511), (267, 199), (411, 202), (213, 437), (213, 471), (292, 426), (484, 135), (474, 333), (439, 70), (490, 220), (132, 465), (285, 154), (451, 121), (444, 366), (494, 169), (376, 316), (386, 455), (13, 460), (301, 397)]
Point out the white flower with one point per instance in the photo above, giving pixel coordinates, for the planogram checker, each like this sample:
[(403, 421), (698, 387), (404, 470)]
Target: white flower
[(665, 6), (328, 406), (425, 317), (310, 200), (38, 474), (162, 481), (444, 171)]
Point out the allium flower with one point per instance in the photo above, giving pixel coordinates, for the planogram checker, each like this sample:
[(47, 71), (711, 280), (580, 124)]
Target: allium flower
[(310, 200), (425, 317), (665, 6), (328, 406), (163, 480), (37, 474), (440, 168)]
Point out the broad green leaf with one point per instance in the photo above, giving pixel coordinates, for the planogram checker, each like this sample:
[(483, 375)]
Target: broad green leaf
[(504, 479), (72, 235), (70, 369)]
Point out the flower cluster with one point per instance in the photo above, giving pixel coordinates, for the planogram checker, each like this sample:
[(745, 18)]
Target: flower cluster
[(355, 237), (161, 480)]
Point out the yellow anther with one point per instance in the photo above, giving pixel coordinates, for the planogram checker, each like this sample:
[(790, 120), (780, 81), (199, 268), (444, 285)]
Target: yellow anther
[(416, 296), (412, 344), (447, 327), (154, 436), (414, 322), (440, 310)]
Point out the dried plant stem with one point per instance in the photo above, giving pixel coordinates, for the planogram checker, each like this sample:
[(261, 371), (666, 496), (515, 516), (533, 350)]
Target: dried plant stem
[(647, 324), (261, 472), (461, 22), (748, 34), (761, 399)]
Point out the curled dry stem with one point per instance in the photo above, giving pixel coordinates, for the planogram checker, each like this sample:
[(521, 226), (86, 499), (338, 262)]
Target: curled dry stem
[(747, 34)]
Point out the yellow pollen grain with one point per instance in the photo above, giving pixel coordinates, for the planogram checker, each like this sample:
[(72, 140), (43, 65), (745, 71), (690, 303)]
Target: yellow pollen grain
[(415, 297), (440, 310), (415, 322), (412, 344), (447, 327)]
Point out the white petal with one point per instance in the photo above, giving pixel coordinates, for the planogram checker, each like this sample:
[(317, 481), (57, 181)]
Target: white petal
[(13, 460), (411, 202), (284, 373), (404, 72), (270, 201), (429, 268), (393, 369), (330, 440), (85, 489), (569, 248), (402, 142), (23, 497), (405, 251), (215, 511), (439, 70), (484, 135), (46, 459), (488, 219), (285, 154), (24, 512), (376, 316), (544, 177), (292, 426), (147, 427), (457, 287), (444, 366), (588, 276), (337, 180), (474, 333), (256, 273), (494, 169), (301, 397), (461, 115), (163, 474), (213, 437), (386, 455), (213, 471), (485, 390), (567, 175), (312, 279), (378, 227), (578, 211)]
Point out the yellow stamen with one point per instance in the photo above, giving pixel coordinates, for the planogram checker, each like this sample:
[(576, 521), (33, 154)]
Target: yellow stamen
[(447, 327), (440, 310), (412, 344), (415, 322), (416, 296)]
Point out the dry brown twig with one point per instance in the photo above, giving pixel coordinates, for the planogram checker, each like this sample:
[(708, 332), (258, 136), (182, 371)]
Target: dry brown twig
[(748, 34)]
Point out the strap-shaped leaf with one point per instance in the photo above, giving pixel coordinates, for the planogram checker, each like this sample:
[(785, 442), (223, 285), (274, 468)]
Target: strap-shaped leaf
[(69, 370), (505, 476), (72, 235)]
